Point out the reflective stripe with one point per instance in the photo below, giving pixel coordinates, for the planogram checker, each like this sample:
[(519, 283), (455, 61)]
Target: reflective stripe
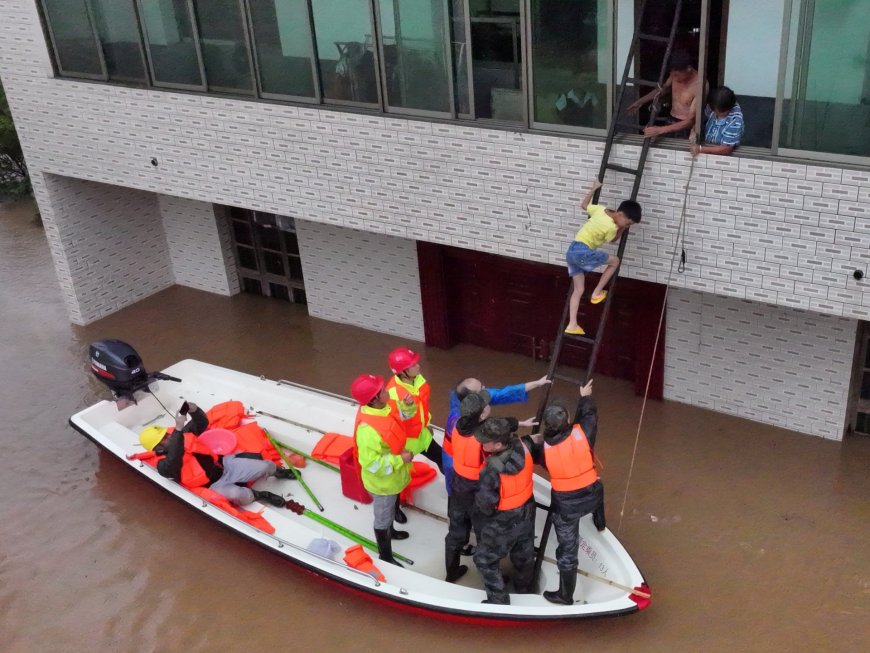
[(420, 417), (570, 462)]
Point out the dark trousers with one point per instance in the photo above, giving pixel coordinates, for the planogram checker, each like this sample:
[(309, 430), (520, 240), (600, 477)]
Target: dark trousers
[(433, 453), (507, 533), (461, 516), (566, 523)]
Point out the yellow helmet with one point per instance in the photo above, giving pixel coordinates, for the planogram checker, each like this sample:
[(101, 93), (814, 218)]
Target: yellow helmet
[(151, 436)]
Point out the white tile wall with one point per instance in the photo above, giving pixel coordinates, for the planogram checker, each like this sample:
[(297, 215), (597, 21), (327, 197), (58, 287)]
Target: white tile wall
[(107, 244), (368, 280), (200, 246), (777, 365)]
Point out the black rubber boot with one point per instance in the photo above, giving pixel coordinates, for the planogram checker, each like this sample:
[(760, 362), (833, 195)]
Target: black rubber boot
[(400, 516), (385, 546), (286, 474), (455, 571), (467, 550), (270, 497), (398, 535), (565, 594)]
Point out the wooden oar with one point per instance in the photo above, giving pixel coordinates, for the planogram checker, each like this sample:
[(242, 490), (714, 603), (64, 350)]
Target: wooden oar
[(299, 509), (607, 581), (295, 473)]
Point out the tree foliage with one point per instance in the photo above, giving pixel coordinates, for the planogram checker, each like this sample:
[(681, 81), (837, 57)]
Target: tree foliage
[(14, 179)]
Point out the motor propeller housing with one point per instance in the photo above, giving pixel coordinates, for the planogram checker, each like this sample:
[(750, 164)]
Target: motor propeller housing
[(119, 367)]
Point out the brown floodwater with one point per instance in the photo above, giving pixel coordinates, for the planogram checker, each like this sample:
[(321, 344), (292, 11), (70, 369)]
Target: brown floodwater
[(753, 538)]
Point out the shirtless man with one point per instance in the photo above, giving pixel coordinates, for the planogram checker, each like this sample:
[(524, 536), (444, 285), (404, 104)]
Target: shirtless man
[(685, 87)]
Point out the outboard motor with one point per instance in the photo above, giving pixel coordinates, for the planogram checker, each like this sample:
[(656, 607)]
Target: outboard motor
[(117, 365)]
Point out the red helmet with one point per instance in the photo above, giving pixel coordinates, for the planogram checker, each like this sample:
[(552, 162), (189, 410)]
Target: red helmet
[(401, 359), (366, 387)]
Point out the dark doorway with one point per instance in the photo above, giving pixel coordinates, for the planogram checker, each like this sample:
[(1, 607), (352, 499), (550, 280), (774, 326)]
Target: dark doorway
[(515, 306)]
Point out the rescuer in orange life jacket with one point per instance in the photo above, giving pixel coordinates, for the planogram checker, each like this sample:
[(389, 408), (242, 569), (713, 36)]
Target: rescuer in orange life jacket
[(191, 463), (507, 509), (567, 453)]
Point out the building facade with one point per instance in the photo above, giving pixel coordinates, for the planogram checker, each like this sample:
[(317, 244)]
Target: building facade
[(308, 149)]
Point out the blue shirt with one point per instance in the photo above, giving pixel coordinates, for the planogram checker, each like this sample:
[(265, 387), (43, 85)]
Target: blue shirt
[(510, 394), (724, 131)]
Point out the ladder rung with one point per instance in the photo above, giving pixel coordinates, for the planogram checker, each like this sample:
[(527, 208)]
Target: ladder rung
[(642, 82), (654, 37), (568, 379), (586, 339), (619, 168)]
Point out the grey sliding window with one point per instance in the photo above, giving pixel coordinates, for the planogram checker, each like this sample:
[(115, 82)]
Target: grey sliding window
[(119, 36), (77, 52), (414, 53), (497, 59), (171, 42), (283, 46), (346, 50), (224, 43), (570, 56)]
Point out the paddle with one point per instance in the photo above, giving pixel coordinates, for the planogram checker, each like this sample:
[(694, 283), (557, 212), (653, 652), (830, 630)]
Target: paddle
[(600, 579), (299, 509), (293, 469)]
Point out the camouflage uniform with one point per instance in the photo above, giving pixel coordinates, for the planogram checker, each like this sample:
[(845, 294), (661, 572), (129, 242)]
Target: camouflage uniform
[(504, 532), (569, 507)]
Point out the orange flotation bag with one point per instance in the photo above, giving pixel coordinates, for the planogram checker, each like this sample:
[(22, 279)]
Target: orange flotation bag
[(421, 474), (356, 558), (252, 439), (331, 446), (255, 519), (226, 415)]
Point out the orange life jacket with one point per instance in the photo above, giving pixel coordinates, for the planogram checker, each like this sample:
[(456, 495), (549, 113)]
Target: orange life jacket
[(226, 415), (356, 558), (516, 489), (414, 424), (388, 427), (192, 473), (467, 455), (255, 519), (570, 462)]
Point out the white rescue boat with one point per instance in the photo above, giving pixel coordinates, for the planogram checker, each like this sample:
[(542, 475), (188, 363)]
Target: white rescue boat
[(609, 583)]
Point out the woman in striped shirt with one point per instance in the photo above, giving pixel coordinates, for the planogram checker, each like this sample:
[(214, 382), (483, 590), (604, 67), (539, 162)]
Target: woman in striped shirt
[(724, 126)]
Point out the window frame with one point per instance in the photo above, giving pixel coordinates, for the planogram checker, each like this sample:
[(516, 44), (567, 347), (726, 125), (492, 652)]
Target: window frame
[(104, 76), (255, 60), (247, 35), (191, 13)]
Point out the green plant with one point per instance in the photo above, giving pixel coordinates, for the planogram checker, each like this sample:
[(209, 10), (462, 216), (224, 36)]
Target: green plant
[(14, 178)]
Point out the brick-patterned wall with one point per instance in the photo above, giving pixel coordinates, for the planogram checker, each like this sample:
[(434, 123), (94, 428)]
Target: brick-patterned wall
[(368, 280), (781, 366), (199, 246), (107, 243)]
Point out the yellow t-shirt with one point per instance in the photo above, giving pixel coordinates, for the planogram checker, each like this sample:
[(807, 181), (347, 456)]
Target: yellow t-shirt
[(599, 228)]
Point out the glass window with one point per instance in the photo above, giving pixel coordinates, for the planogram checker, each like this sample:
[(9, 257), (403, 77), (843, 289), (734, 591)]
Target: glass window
[(284, 49), (224, 45), (171, 43), (570, 65), (119, 36), (459, 41), (414, 47), (75, 45), (826, 103), (346, 50), (497, 66)]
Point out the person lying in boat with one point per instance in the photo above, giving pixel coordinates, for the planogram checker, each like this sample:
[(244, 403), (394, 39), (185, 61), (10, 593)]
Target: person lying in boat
[(507, 509), (183, 458), (468, 461), (510, 394), (385, 463), (567, 453)]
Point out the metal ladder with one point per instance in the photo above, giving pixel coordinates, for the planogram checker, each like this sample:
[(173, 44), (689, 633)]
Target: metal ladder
[(628, 85)]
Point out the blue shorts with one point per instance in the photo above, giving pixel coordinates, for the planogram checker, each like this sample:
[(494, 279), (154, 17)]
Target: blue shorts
[(582, 259)]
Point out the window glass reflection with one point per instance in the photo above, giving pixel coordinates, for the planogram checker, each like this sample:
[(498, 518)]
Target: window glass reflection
[(414, 51), (116, 25), (224, 47), (75, 46), (283, 41), (570, 64), (497, 59), (346, 50), (169, 35)]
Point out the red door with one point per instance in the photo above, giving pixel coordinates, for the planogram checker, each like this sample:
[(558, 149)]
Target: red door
[(511, 305)]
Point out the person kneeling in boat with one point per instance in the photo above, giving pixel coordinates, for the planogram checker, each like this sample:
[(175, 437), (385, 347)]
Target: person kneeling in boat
[(567, 453), (183, 458), (507, 508), (385, 464)]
